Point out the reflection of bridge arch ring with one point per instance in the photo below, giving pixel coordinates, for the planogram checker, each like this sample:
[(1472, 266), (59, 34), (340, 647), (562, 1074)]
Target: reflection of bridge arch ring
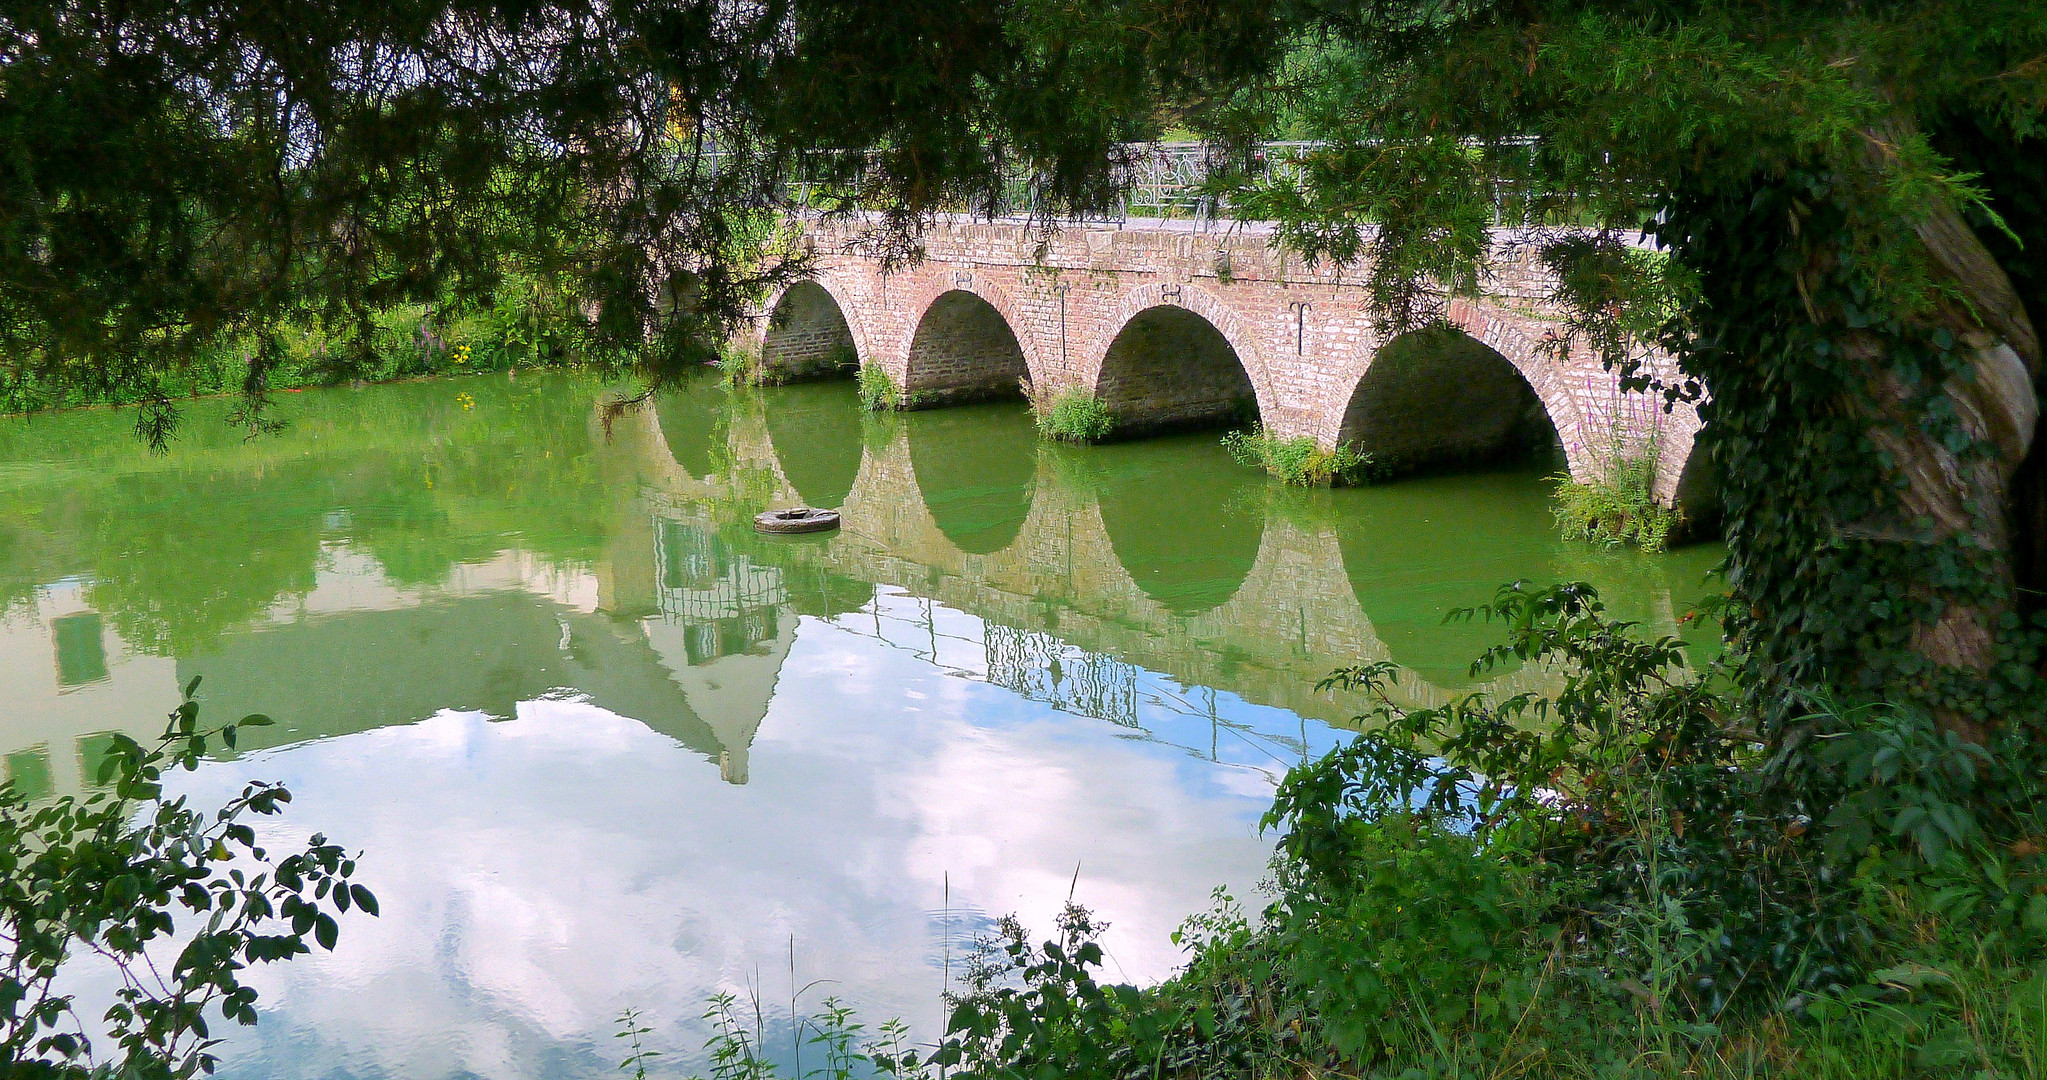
[(796, 519), (976, 471)]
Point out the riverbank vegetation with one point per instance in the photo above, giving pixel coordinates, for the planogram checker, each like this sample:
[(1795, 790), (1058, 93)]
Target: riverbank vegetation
[(526, 322), (1610, 881), (180, 902)]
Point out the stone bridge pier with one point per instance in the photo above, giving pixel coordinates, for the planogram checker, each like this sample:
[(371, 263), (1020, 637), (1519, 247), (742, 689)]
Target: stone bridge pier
[(1172, 327)]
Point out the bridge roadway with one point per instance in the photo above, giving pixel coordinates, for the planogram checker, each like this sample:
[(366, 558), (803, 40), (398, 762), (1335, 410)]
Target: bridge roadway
[(1175, 324)]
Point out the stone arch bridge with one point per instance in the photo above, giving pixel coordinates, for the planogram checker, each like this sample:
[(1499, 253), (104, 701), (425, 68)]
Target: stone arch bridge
[(1173, 325)]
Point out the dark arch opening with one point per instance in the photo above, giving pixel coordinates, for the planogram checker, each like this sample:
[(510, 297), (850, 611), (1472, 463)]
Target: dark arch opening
[(964, 350), (1184, 521), (1698, 497), (808, 337), (815, 430), (1171, 370), (1438, 399), (975, 468)]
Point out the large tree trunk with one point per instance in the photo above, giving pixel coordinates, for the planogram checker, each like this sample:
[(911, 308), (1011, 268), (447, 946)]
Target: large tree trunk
[(1982, 495), (1967, 494)]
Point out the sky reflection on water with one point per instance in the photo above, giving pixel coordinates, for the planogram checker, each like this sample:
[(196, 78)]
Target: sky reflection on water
[(543, 872)]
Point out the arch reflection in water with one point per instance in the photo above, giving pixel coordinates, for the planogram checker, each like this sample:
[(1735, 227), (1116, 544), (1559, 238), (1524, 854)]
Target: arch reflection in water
[(974, 468), (815, 429), (1188, 544), (1161, 553), (693, 426)]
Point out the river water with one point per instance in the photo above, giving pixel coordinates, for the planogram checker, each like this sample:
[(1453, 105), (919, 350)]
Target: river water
[(601, 746)]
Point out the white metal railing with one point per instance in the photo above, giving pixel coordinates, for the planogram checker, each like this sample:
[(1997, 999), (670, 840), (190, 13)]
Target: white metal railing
[(1166, 180)]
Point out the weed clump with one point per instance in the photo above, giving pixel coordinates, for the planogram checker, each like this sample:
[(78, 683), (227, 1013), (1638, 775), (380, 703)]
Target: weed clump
[(1618, 509), (878, 392), (742, 368), (1071, 415), (1298, 461)]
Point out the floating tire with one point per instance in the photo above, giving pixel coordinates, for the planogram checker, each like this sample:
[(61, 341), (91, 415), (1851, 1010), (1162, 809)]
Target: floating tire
[(796, 519)]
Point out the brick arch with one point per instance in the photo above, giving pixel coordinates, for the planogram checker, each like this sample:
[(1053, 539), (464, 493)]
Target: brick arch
[(1197, 301), (1522, 350), (1677, 482), (933, 286), (841, 294)]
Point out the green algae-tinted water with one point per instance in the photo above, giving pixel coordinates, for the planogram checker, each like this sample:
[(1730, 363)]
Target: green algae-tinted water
[(603, 746)]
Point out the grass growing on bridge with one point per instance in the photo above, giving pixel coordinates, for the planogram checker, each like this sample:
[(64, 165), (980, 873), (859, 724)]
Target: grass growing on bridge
[(1071, 415), (1619, 509), (742, 368), (1299, 461), (878, 392)]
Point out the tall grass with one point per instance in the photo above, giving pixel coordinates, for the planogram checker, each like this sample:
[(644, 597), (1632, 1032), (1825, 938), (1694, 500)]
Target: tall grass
[(878, 392), (1298, 461), (1070, 414), (1619, 508)]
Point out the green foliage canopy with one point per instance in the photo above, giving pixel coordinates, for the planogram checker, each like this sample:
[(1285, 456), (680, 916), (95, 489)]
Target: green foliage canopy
[(1844, 205), (176, 175)]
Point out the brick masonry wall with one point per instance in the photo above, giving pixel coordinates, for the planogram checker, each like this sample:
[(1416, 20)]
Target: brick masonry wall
[(1300, 333), (963, 351), (807, 336)]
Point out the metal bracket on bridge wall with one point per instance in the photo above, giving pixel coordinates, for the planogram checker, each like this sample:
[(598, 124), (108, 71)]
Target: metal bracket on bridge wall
[(963, 280), (1300, 310), (1170, 292), (1062, 289)]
